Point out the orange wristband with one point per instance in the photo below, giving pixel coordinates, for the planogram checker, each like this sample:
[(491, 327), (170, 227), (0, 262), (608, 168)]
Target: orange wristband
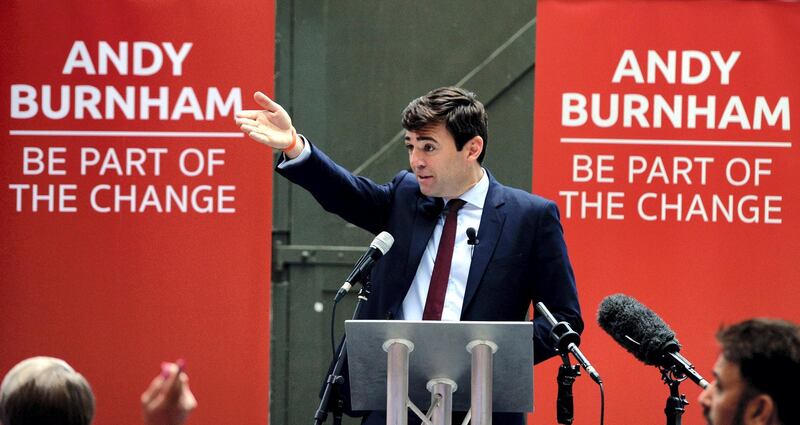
[(293, 144)]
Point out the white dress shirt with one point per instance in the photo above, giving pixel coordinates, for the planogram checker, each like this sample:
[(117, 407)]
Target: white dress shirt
[(468, 216)]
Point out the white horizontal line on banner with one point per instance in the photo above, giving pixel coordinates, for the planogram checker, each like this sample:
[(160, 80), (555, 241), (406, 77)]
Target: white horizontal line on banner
[(736, 143), (73, 133)]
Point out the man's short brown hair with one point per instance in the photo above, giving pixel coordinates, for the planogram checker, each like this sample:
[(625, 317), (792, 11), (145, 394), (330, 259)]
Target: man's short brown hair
[(460, 111)]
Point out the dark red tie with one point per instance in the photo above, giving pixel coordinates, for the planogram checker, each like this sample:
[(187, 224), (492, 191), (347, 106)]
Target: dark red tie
[(441, 266)]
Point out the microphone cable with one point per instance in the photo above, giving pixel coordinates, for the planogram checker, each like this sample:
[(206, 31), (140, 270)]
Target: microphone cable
[(602, 404), (333, 332)]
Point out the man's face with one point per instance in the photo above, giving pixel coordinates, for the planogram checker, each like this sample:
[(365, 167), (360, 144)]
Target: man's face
[(441, 170), (725, 400)]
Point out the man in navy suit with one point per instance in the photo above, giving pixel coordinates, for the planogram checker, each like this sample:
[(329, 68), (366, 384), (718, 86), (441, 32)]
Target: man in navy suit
[(519, 257)]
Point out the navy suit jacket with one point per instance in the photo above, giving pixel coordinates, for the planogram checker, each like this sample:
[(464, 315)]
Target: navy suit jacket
[(521, 256)]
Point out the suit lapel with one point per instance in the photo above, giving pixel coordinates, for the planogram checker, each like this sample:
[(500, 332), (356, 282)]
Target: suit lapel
[(425, 217), (492, 220)]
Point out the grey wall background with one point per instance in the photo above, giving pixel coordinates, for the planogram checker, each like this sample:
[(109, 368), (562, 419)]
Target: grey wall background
[(345, 71)]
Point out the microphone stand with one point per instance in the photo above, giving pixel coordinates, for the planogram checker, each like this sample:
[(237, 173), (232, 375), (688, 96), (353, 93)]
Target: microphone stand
[(567, 373), (565, 338), (333, 383), (676, 401)]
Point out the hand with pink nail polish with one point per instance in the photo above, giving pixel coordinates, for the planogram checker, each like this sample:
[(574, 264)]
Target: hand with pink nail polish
[(168, 400)]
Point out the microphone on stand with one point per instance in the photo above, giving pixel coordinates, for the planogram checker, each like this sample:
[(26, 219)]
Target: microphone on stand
[(567, 340), (640, 331), (377, 249)]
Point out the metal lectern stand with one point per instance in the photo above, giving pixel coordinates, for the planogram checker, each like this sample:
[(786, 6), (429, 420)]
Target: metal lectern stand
[(399, 365)]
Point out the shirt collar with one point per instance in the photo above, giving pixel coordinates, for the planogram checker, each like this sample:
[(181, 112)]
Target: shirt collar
[(476, 195)]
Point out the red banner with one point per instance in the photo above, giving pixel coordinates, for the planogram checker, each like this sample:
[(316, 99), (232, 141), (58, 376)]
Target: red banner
[(136, 220), (667, 132)]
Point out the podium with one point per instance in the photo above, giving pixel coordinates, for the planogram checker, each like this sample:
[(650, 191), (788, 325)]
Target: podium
[(480, 367)]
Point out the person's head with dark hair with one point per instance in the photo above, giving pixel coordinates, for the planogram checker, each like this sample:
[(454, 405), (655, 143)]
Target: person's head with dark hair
[(755, 375), (45, 390), (458, 109), (446, 136)]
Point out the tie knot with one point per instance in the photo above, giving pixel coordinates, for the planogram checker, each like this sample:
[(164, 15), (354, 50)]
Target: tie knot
[(454, 205)]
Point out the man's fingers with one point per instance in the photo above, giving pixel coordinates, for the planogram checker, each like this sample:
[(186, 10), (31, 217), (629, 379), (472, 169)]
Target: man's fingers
[(258, 117), (248, 113), (266, 132), (270, 126), (258, 137), (247, 128), (246, 121), (266, 102)]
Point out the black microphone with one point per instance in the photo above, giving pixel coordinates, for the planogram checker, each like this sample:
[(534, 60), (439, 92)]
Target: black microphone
[(379, 246), (472, 236), (568, 340), (640, 331)]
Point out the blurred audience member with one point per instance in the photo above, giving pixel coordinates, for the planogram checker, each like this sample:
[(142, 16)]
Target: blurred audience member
[(756, 375), (48, 391), (45, 390)]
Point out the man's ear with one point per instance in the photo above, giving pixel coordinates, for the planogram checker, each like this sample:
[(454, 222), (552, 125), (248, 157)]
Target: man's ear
[(474, 147), (761, 410)]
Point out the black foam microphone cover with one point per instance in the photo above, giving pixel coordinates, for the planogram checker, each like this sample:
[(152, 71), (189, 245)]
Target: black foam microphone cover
[(640, 331), (637, 328)]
